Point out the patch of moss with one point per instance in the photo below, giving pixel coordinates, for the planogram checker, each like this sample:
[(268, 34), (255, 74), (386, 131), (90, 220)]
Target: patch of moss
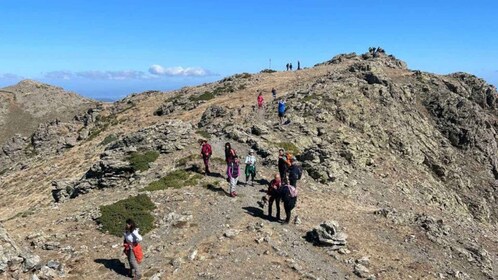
[(3, 171), (242, 75), (203, 97), (108, 139), (268, 71), (138, 208), (141, 161), (288, 147), (204, 134), (183, 161), (308, 98), (176, 179)]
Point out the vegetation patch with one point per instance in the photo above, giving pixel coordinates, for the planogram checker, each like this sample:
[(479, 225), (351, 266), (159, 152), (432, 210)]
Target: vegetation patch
[(108, 139), (183, 161), (308, 97), (204, 134), (141, 161), (242, 75), (138, 208), (176, 179), (203, 97), (268, 71), (288, 147), (3, 171)]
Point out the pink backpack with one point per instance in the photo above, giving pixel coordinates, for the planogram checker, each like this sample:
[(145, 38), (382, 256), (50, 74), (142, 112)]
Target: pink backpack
[(292, 191)]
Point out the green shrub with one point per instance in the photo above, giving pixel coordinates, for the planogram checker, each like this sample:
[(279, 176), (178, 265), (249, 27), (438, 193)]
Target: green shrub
[(183, 161), (242, 75), (268, 71), (113, 217), (108, 139), (204, 134), (141, 161), (176, 179), (288, 147), (203, 97)]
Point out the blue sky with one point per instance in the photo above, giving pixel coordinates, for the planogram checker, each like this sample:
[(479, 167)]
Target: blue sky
[(108, 49)]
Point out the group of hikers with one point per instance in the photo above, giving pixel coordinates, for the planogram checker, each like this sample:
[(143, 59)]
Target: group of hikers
[(283, 186), (288, 66)]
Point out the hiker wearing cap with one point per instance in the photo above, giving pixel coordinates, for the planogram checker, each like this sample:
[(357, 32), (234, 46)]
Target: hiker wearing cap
[(288, 195), (295, 172), (260, 100), (233, 171), (206, 153), (250, 167), (274, 195)]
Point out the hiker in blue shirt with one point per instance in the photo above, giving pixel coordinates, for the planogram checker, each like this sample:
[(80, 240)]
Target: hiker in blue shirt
[(281, 110)]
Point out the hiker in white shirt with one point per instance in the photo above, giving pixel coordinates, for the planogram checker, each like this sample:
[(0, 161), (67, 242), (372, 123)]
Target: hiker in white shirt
[(250, 167)]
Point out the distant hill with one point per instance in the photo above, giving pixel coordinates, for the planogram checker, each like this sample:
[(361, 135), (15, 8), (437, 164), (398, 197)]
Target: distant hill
[(27, 104)]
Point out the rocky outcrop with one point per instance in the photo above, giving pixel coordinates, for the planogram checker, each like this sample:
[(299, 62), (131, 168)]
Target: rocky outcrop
[(328, 234), (14, 260)]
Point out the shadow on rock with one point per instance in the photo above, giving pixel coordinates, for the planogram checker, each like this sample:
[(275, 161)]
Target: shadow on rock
[(259, 213), (114, 265)]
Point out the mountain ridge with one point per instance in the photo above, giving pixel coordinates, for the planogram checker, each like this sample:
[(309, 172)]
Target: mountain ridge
[(405, 161)]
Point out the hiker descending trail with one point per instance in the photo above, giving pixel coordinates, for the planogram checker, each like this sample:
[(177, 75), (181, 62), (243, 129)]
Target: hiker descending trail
[(250, 169), (281, 110), (233, 175), (274, 93), (283, 165), (273, 193), (206, 153), (260, 100), (288, 194), (230, 154), (295, 172), (132, 248)]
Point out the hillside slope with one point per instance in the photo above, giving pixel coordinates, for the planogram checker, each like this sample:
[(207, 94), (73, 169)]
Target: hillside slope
[(404, 161), (27, 104)]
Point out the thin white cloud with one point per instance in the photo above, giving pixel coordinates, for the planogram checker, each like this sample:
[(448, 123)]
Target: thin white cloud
[(113, 75), (10, 76), (59, 75), (159, 70)]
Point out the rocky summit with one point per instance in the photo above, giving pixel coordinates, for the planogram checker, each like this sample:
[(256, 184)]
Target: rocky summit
[(400, 179)]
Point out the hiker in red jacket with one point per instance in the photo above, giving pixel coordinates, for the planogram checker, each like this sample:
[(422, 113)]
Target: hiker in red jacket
[(274, 195), (206, 153), (260, 100)]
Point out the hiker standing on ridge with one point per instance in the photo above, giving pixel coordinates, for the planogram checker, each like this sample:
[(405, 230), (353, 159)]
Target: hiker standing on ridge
[(260, 100), (288, 194), (206, 153), (233, 171), (290, 66), (230, 154), (132, 248), (273, 193), (281, 110), (274, 93), (283, 165), (287, 67), (295, 172), (298, 65), (250, 167)]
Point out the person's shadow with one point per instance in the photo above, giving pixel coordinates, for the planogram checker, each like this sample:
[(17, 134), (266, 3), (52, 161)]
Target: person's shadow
[(114, 265), (217, 189), (258, 212)]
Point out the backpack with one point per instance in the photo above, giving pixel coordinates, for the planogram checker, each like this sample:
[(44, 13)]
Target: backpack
[(296, 171), (292, 191), (234, 169)]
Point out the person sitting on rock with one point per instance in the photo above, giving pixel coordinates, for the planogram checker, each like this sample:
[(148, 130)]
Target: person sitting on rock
[(288, 194), (132, 248), (233, 175), (206, 153), (295, 172), (250, 170), (274, 195)]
